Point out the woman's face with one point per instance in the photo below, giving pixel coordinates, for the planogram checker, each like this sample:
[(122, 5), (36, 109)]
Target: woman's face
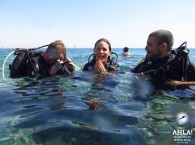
[(102, 51)]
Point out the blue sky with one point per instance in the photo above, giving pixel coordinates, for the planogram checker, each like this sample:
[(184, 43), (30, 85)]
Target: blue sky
[(82, 22)]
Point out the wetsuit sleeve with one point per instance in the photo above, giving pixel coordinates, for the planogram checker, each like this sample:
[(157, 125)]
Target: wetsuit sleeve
[(112, 67), (138, 68), (88, 67), (191, 72)]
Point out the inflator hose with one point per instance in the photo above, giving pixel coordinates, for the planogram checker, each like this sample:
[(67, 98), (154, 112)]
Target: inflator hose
[(3, 67)]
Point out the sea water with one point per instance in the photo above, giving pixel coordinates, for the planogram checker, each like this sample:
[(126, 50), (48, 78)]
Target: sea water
[(57, 110)]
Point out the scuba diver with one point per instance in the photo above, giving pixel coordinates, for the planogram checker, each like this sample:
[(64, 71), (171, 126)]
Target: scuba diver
[(102, 61), (53, 61), (162, 63)]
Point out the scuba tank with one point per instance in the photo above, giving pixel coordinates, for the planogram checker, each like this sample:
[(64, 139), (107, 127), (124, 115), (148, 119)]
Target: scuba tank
[(182, 53), (19, 66)]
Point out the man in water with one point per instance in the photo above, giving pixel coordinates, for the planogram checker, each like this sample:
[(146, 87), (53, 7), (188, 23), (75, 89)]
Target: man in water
[(43, 64), (126, 51), (161, 63)]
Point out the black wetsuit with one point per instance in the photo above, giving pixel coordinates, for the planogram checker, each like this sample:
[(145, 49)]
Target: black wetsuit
[(90, 66), (39, 68), (167, 68), (31, 63)]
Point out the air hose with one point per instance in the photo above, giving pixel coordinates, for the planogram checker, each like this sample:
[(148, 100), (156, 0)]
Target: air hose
[(3, 67)]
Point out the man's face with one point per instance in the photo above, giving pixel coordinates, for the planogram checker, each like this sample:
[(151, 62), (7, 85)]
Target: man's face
[(152, 48), (53, 55)]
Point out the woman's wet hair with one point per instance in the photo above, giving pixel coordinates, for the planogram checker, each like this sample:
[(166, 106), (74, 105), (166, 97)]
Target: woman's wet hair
[(103, 40)]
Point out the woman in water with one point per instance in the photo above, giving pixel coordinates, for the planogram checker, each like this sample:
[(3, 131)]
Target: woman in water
[(102, 61)]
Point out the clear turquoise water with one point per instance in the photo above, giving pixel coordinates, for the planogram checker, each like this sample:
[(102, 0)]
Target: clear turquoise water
[(53, 111)]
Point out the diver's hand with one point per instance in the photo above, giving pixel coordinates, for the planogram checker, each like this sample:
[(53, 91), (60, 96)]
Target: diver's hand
[(99, 67), (139, 75), (70, 64), (54, 69), (178, 83)]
